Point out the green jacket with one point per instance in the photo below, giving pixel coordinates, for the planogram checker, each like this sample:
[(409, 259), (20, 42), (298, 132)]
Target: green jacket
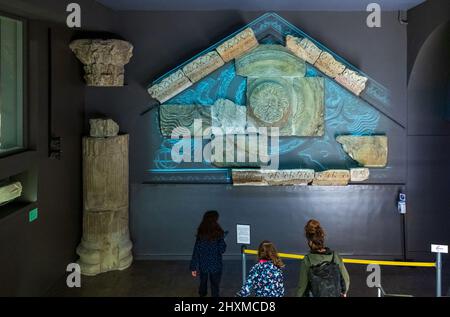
[(315, 258)]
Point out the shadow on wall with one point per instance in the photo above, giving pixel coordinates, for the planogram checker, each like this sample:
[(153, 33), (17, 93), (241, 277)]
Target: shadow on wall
[(428, 88)]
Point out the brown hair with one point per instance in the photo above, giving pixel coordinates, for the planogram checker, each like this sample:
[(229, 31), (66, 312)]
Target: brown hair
[(315, 235), (209, 228), (267, 251)]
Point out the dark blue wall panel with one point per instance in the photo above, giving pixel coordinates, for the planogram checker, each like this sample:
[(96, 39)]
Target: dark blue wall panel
[(359, 220)]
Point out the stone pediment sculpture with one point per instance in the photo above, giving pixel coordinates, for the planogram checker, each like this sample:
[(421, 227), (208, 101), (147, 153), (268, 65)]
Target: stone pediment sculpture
[(271, 74), (279, 95)]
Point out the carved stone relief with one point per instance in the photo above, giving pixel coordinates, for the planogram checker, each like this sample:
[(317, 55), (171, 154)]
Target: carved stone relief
[(272, 177), (104, 60), (329, 65), (303, 48), (170, 86), (229, 117), (183, 117), (369, 151), (294, 105), (237, 45), (203, 66), (332, 178), (352, 81)]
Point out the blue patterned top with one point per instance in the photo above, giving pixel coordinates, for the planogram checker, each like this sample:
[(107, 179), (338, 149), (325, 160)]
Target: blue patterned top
[(265, 280), (207, 255)]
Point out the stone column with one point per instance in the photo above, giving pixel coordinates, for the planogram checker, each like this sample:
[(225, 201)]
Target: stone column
[(104, 60), (106, 244)]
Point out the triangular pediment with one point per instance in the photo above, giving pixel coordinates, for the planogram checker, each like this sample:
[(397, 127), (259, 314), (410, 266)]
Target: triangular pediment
[(223, 74)]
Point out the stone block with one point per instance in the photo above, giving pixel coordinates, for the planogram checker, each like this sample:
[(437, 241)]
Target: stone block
[(352, 81), (183, 117), (262, 177), (270, 61), (103, 128), (229, 117), (327, 64), (359, 174), (294, 105), (170, 86), (203, 66), (332, 178), (303, 48), (369, 151), (10, 192), (237, 45), (240, 151)]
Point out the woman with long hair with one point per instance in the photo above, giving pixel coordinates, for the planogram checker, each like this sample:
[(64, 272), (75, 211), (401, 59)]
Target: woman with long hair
[(207, 255), (322, 271), (265, 279)]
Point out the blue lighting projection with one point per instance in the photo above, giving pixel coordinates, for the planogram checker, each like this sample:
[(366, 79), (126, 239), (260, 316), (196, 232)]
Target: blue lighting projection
[(345, 114), (223, 83)]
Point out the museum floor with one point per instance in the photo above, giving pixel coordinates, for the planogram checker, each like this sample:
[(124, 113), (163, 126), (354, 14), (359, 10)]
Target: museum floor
[(172, 279)]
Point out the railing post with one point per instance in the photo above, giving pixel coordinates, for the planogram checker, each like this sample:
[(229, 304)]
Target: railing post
[(244, 264), (438, 275)]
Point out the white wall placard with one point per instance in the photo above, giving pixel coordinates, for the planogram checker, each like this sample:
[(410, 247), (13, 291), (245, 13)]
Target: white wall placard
[(436, 248), (243, 234)]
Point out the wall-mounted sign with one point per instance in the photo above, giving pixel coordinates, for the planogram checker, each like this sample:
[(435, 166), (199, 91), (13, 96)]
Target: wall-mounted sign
[(402, 203), (436, 248), (243, 234), (33, 215)]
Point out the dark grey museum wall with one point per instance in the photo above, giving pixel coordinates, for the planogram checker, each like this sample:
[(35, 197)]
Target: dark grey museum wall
[(34, 255), (360, 220), (351, 215), (428, 126)]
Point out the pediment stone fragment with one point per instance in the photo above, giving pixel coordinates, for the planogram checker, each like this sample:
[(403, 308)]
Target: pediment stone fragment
[(203, 66), (332, 178), (262, 177), (237, 45), (329, 65), (303, 48), (369, 151), (170, 86)]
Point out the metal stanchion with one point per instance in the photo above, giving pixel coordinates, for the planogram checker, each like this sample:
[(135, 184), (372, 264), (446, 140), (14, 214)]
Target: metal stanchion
[(439, 249), (244, 264), (438, 274)]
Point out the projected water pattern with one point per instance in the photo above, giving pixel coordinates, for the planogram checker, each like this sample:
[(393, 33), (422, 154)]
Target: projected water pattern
[(345, 113)]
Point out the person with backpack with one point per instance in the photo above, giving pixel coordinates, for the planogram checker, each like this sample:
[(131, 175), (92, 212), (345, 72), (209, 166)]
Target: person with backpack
[(322, 272), (265, 279), (207, 255)]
